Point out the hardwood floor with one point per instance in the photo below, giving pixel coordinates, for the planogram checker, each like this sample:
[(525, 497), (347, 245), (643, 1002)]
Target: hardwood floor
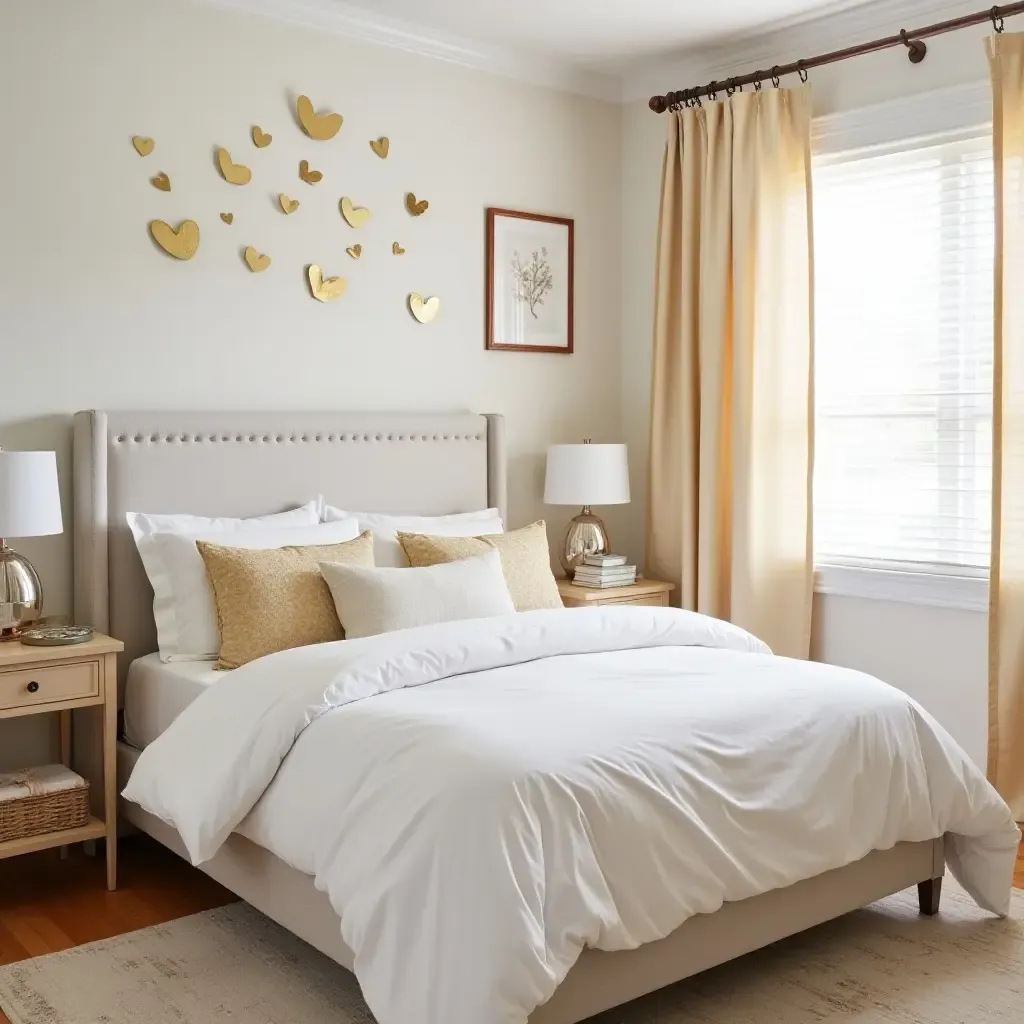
[(47, 905)]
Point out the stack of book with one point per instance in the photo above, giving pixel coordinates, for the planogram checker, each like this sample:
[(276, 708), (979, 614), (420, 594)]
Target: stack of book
[(604, 571)]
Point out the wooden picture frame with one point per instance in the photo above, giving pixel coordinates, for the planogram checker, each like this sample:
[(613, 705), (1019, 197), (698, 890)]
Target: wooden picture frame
[(526, 302)]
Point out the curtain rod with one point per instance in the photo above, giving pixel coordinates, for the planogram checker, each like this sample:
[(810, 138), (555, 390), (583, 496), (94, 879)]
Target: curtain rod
[(911, 40)]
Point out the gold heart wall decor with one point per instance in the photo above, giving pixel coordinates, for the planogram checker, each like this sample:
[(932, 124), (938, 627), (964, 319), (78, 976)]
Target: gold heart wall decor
[(260, 138), (161, 181), (416, 208), (227, 217), (424, 309), (143, 145), (355, 251), (381, 146), (181, 243), (325, 290), (397, 249), (317, 126), (258, 262), (236, 174), (357, 216), (308, 176), (287, 205)]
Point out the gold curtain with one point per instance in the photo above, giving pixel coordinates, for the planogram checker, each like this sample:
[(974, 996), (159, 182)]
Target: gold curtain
[(1006, 612), (729, 489)]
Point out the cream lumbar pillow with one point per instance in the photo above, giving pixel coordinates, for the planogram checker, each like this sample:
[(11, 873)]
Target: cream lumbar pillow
[(380, 600), (525, 560), (272, 599)]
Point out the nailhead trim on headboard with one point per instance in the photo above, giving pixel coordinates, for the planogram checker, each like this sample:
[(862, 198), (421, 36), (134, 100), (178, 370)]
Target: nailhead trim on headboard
[(292, 439)]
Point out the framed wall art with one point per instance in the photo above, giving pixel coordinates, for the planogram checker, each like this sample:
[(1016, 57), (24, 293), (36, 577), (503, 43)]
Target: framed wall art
[(529, 282)]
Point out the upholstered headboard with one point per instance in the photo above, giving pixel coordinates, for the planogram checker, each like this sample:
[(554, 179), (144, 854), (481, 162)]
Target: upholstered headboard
[(252, 463)]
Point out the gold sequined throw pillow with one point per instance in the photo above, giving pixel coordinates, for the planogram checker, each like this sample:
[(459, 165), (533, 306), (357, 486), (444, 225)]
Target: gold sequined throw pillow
[(272, 599), (525, 560)]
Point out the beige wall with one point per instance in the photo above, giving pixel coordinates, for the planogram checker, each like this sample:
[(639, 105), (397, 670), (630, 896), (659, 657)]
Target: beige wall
[(936, 655), (92, 315)]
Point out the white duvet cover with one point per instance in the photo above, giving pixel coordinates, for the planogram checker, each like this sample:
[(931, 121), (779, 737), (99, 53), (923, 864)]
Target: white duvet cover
[(483, 799)]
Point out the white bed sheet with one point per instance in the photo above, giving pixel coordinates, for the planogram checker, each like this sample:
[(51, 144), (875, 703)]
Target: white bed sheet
[(157, 692)]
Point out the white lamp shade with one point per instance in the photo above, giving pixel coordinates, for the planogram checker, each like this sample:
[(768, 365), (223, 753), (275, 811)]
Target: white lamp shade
[(587, 474), (29, 494)]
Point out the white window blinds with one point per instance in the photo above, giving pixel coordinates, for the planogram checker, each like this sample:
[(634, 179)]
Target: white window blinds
[(904, 252)]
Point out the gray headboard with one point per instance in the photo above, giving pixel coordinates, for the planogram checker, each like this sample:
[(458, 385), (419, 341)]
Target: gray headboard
[(252, 463)]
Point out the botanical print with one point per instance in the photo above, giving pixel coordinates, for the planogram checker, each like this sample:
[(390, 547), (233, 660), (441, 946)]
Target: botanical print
[(530, 281)]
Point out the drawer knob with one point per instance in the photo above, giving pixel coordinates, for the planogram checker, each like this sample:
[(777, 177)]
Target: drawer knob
[(33, 687)]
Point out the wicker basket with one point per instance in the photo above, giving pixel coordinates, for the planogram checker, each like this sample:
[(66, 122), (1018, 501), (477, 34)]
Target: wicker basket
[(49, 812)]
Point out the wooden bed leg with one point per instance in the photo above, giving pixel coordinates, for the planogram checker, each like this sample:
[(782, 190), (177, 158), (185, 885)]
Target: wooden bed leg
[(928, 894)]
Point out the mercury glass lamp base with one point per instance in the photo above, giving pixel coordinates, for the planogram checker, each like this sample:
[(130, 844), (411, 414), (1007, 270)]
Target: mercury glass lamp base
[(21, 593), (587, 535)]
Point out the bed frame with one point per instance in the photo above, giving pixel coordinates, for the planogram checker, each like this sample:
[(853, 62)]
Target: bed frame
[(250, 463)]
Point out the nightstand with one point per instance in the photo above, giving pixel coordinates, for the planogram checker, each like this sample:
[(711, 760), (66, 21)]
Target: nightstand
[(60, 680), (649, 592)]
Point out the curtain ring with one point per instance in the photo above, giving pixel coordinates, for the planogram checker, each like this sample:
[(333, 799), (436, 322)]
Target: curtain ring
[(711, 91), (757, 81), (775, 76), (997, 20), (801, 71), (730, 89)]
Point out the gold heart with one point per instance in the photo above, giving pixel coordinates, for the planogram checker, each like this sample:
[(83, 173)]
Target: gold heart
[(308, 176), (325, 290), (381, 146), (257, 262), (417, 209), (317, 126), (424, 309), (236, 174), (287, 205), (397, 249), (143, 146), (161, 181), (355, 251), (261, 138), (357, 216), (227, 217), (180, 244)]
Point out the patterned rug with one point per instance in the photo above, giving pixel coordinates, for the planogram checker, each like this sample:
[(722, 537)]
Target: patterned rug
[(882, 964)]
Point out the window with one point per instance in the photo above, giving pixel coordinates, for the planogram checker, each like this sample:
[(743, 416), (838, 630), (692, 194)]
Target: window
[(904, 254)]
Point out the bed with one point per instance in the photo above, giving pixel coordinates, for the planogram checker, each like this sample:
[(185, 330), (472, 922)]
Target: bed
[(247, 463)]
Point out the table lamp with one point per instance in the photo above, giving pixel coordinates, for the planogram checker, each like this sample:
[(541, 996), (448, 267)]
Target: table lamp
[(586, 474), (29, 507)]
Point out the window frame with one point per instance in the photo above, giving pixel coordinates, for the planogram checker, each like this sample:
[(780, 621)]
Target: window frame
[(927, 118)]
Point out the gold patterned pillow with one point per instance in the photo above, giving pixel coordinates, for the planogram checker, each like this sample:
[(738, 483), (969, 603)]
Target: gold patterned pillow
[(271, 599), (525, 560)]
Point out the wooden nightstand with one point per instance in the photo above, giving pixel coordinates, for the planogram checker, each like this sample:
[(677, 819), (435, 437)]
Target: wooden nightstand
[(41, 680), (649, 592)]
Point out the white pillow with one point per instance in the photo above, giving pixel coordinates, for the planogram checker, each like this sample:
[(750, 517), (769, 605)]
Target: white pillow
[(142, 523), (371, 601), (384, 527), (183, 601)]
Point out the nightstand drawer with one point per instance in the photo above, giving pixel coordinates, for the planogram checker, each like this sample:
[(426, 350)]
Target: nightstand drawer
[(48, 685), (657, 600)]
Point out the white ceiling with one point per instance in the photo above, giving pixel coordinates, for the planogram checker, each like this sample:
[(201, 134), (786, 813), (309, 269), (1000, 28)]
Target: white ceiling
[(598, 35)]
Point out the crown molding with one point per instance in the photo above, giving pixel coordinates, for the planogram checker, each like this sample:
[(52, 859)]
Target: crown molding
[(345, 19), (782, 42)]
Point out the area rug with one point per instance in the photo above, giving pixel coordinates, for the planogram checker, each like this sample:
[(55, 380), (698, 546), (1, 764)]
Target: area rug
[(882, 964)]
